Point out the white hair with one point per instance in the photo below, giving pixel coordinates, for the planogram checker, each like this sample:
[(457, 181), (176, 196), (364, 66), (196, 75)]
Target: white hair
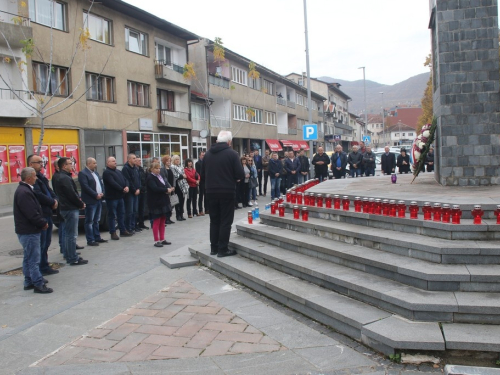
[(225, 136)]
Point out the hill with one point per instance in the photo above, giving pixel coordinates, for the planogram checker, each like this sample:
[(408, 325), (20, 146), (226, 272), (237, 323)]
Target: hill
[(403, 94)]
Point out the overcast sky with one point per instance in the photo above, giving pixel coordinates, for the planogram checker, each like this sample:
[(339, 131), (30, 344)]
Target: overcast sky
[(389, 37)]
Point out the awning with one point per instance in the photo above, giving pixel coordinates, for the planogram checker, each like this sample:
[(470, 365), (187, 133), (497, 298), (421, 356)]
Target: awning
[(274, 145), (295, 145)]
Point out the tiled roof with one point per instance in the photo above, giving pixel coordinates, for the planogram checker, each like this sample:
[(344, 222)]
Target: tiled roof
[(407, 116)]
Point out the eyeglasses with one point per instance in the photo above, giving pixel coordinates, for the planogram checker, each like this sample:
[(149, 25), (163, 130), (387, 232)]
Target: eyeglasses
[(70, 163), (36, 162)]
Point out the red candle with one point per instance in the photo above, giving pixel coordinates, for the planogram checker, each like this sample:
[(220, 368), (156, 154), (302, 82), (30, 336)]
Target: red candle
[(296, 212), (357, 204), (294, 197), (274, 206), (371, 205), (281, 208), (312, 199), (366, 205), (288, 196), (414, 210), (392, 208), (477, 213), (281, 199), (427, 210), (345, 203), (250, 217), (319, 200), (336, 202), (497, 213), (446, 213), (456, 214), (299, 198), (401, 209), (307, 200), (328, 201), (437, 211), (385, 207), (305, 214), (377, 207)]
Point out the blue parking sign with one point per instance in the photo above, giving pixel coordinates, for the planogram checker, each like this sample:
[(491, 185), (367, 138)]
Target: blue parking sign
[(310, 132), (367, 139)]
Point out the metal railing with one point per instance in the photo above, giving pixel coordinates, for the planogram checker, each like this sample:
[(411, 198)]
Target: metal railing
[(280, 101), (218, 81), (290, 104), (199, 123), (161, 64), (163, 115), (6, 94), (220, 122), (14, 18)]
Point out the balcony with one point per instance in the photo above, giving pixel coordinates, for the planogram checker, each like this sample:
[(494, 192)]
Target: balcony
[(199, 123), (169, 71), (174, 119), (11, 106), (290, 104), (292, 131), (218, 81), (15, 28), (220, 122), (281, 101)]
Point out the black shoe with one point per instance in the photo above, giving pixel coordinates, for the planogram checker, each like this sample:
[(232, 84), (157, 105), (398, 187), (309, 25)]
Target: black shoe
[(213, 252), (29, 287), (92, 243), (182, 218), (126, 234), (78, 247), (138, 230), (165, 242), (114, 236), (227, 254), (169, 222), (143, 226), (79, 262), (49, 271), (100, 240), (158, 244), (43, 289)]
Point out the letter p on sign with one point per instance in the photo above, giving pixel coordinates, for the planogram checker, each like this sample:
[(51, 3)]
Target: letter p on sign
[(310, 132)]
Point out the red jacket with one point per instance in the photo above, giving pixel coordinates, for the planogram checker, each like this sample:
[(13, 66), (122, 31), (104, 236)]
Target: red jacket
[(191, 177)]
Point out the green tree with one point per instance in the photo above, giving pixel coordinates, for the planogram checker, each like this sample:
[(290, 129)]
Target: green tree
[(427, 105)]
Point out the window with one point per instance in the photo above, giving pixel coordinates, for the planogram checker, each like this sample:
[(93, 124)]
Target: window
[(100, 88), (300, 123), (396, 134), (48, 13), (240, 112), (99, 28), (239, 75), (300, 99), (57, 80), (166, 100), (270, 118), (197, 111), (403, 134), (410, 134), (138, 94), (135, 41), (269, 87), (163, 54), (254, 83), (257, 117)]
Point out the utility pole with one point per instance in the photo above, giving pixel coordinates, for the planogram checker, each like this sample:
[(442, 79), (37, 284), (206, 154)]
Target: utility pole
[(383, 117), (309, 105), (364, 89)]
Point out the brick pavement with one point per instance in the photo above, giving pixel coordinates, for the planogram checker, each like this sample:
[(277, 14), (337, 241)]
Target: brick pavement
[(177, 322)]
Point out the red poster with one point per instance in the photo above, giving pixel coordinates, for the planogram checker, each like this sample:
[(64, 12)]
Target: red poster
[(56, 152), (44, 154), (17, 161), (72, 153), (4, 165)]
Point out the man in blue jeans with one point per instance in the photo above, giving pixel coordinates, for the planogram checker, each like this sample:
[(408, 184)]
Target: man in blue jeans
[(274, 170), (69, 204), (29, 222), (131, 199)]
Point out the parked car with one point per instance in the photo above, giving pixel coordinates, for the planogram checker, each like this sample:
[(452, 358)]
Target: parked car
[(103, 223)]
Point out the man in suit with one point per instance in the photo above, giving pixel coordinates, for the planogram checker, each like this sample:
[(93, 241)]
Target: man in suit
[(339, 163), (48, 201), (257, 160), (202, 199), (292, 167), (388, 162), (92, 194)]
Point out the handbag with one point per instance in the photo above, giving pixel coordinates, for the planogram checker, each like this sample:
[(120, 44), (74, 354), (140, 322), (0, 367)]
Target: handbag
[(252, 183), (174, 199)]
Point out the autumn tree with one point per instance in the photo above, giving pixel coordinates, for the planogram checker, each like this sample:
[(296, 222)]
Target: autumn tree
[(427, 105)]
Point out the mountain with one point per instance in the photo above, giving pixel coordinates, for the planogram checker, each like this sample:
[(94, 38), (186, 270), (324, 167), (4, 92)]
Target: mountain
[(402, 94)]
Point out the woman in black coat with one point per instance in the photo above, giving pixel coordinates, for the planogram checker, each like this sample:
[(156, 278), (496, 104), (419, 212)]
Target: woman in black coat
[(403, 162), (158, 203)]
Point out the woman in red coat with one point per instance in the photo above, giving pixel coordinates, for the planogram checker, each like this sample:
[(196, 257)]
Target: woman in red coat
[(193, 180)]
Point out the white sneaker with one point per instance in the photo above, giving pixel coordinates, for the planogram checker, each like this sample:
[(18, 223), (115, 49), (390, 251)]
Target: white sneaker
[(250, 203)]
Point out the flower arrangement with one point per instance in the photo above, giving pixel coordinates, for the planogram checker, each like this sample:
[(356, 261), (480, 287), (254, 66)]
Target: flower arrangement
[(421, 146)]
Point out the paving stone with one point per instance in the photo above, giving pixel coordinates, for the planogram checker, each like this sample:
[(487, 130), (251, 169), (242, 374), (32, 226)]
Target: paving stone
[(190, 328), (177, 352), (178, 258), (472, 337), (334, 357), (229, 327), (100, 355), (179, 319), (143, 312), (166, 340), (213, 318), (98, 333), (161, 304), (192, 302), (239, 337), (139, 353), (217, 347), (62, 356), (478, 303), (202, 309), (170, 311), (156, 330), (295, 335), (89, 342), (202, 339), (129, 342), (470, 370), (116, 321), (121, 332), (147, 320), (241, 347)]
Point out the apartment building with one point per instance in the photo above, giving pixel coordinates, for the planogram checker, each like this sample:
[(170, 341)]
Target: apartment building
[(264, 112), (336, 127), (124, 93)]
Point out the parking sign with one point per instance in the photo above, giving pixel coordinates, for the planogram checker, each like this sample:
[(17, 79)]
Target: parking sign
[(310, 132), (367, 139)]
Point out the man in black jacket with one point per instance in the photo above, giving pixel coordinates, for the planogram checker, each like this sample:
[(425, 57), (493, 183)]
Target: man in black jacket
[(115, 187), (355, 159), (257, 160), (131, 198), (221, 170), (201, 198), (320, 162), (304, 166), (29, 222), (48, 201), (142, 195), (339, 163), (92, 194), (69, 205), (388, 162)]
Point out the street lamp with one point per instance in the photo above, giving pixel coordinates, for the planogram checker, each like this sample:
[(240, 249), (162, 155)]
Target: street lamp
[(364, 89), (383, 116)]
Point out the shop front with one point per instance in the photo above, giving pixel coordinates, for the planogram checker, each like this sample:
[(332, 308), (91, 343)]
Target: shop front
[(12, 154)]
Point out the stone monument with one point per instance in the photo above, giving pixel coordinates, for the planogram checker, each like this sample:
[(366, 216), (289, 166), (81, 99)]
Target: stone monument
[(466, 91)]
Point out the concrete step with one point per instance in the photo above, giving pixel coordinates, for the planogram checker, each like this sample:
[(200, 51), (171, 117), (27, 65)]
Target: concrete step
[(356, 319), (415, 272), (407, 301), (487, 231), (392, 238)]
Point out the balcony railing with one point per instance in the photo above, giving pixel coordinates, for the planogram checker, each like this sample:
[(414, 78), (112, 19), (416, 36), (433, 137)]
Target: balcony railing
[(166, 64), (199, 123), (13, 18), (218, 81), (6, 94), (290, 104), (281, 101), (163, 115), (220, 122)]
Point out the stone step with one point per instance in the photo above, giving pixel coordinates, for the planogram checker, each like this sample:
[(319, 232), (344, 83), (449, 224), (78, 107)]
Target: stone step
[(466, 230), (356, 319), (415, 272), (407, 301), (392, 239)]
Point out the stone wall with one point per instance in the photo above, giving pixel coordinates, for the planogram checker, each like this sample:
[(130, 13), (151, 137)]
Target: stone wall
[(466, 91)]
